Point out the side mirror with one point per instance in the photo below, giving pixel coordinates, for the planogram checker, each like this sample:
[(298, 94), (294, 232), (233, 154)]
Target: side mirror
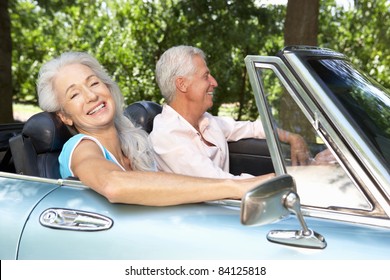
[(264, 204), (270, 202)]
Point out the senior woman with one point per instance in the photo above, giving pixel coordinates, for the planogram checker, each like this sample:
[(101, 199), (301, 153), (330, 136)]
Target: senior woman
[(109, 154)]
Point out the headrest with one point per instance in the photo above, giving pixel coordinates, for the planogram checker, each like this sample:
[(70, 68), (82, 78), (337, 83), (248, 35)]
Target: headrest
[(143, 113), (46, 132)]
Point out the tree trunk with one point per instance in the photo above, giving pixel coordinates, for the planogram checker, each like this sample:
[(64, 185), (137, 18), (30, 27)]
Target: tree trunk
[(301, 24), (300, 28), (6, 114)]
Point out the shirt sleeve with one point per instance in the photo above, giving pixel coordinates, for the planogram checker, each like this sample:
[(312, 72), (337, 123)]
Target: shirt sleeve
[(179, 155), (179, 150), (236, 130)]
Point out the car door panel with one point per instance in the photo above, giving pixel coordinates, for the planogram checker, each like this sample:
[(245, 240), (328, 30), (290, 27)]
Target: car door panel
[(192, 231), (250, 156), (17, 199)]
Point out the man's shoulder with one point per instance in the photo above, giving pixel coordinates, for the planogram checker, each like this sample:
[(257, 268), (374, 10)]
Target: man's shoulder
[(168, 118), (170, 126)]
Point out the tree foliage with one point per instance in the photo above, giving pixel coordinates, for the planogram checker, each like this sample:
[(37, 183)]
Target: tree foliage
[(128, 36), (362, 32)]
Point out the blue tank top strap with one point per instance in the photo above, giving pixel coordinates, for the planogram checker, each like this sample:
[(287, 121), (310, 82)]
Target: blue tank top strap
[(66, 154)]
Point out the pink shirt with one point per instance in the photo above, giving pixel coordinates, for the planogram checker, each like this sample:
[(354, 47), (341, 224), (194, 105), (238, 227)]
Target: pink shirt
[(179, 147)]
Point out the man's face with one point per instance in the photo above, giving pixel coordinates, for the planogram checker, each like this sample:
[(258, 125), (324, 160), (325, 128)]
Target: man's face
[(201, 85)]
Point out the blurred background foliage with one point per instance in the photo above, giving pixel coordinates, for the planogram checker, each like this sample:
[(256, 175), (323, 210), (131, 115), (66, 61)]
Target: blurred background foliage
[(128, 36)]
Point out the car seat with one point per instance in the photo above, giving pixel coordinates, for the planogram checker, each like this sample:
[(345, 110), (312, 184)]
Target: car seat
[(36, 149), (142, 113)]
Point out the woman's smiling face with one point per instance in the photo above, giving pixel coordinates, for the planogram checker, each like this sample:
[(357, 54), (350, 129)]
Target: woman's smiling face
[(85, 100)]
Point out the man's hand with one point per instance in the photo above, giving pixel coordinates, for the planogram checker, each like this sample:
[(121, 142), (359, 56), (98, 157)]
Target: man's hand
[(300, 154), (324, 158)]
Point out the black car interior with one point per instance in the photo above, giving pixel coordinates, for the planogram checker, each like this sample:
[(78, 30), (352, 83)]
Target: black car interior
[(6, 132), (143, 113), (36, 149)]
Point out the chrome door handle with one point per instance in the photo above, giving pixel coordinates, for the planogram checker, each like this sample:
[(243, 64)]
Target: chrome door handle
[(74, 220)]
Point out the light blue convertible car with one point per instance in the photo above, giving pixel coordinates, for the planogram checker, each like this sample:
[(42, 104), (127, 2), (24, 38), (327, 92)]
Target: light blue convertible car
[(335, 207)]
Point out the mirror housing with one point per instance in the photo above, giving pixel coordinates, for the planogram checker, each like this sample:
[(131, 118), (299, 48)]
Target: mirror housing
[(272, 201), (265, 203)]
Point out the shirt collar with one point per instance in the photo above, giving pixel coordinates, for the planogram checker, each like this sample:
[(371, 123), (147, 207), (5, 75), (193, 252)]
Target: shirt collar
[(203, 122)]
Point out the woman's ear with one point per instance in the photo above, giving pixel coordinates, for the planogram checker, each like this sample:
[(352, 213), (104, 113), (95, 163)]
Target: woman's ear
[(181, 84), (64, 118)]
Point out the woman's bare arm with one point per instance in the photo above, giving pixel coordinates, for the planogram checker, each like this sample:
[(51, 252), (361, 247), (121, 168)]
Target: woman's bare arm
[(151, 188)]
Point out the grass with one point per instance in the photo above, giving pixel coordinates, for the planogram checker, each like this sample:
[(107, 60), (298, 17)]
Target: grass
[(23, 111), (27, 108)]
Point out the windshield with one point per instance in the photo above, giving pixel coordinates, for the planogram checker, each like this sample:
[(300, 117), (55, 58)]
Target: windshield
[(366, 102)]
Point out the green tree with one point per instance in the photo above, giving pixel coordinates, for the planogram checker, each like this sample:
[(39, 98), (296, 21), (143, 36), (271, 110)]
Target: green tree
[(128, 36), (42, 32), (362, 32), (227, 30), (131, 48), (118, 33)]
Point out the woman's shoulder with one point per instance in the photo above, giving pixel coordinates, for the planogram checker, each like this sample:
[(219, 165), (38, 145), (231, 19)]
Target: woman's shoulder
[(76, 137), (75, 140), (68, 151)]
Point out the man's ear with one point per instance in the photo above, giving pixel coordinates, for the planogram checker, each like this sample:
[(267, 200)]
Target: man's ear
[(181, 84), (64, 118)]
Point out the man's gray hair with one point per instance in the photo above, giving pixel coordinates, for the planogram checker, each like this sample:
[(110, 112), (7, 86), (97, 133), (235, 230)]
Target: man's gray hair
[(175, 62)]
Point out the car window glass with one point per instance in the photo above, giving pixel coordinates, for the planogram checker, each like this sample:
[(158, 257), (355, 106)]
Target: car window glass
[(367, 103), (323, 182)]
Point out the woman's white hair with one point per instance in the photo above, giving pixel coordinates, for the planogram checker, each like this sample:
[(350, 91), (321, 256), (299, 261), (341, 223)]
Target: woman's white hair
[(175, 62), (134, 140)]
